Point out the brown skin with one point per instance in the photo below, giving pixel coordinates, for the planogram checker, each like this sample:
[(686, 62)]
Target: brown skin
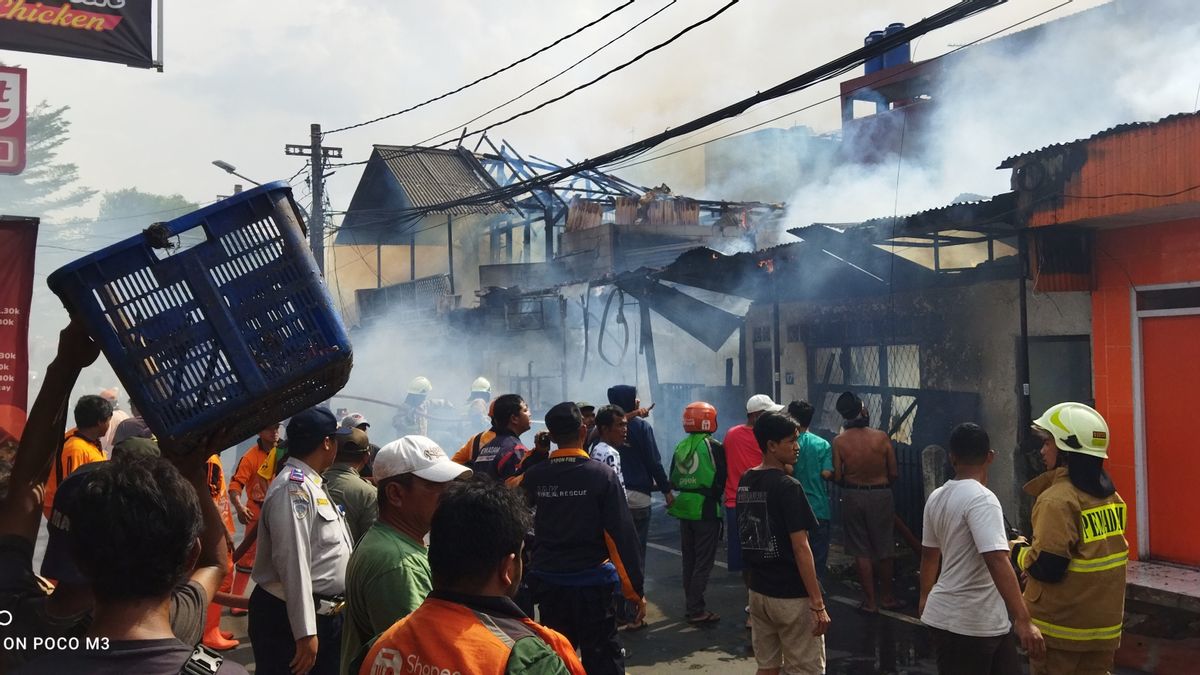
[(998, 566), (615, 434), (521, 422), (865, 456), (589, 417), (780, 455)]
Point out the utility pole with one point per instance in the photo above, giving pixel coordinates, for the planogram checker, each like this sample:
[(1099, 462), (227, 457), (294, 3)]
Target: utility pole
[(317, 156)]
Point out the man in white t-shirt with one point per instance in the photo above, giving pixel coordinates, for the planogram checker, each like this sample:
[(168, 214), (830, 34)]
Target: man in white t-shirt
[(968, 605), (612, 429)]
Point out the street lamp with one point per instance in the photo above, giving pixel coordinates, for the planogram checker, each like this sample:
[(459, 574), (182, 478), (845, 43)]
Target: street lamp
[(229, 168)]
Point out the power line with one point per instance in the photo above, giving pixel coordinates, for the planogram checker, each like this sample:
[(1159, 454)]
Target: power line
[(581, 87), (551, 78), (490, 75), (840, 65)]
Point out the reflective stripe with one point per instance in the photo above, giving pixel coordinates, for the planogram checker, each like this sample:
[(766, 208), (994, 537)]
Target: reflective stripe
[(1108, 562), (1023, 557), (1079, 634)]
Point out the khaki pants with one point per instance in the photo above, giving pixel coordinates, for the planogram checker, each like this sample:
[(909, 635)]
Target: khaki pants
[(781, 630), (1062, 662)]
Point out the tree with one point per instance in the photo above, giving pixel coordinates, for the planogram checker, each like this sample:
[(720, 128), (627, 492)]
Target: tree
[(129, 211), (46, 184)]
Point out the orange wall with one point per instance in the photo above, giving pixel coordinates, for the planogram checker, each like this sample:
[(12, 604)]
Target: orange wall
[(1160, 253)]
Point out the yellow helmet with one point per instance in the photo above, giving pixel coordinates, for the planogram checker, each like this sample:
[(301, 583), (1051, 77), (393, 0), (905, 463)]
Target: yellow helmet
[(420, 385), (1076, 428)]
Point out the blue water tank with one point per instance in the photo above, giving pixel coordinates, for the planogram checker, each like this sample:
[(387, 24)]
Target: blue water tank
[(874, 63), (897, 55)]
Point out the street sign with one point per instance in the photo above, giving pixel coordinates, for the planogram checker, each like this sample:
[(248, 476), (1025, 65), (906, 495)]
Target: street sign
[(12, 120)]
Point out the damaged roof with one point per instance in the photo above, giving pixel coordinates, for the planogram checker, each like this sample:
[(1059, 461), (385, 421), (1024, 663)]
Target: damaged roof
[(973, 215), (1111, 131), (432, 176)]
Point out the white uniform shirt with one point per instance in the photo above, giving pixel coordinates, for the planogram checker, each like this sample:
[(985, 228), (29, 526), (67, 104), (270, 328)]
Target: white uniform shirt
[(964, 519), (303, 545)]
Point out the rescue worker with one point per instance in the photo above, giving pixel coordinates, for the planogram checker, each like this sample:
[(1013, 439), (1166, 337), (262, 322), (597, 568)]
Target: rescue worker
[(1075, 566), (501, 457), (357, 498), (698, 472), (246, 478), (295, 610), (92, 417), (413, 417), (214, 637), (584, 544), (477, 413)]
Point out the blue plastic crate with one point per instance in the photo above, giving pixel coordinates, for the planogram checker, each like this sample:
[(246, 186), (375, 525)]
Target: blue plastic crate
[(230, 331)]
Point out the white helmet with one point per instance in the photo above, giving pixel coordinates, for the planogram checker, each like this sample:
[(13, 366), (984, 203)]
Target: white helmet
[(481, 385), (420, 385), (1076, 428)]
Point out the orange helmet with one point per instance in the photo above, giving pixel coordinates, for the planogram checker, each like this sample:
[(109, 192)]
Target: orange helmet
[(699, 418)]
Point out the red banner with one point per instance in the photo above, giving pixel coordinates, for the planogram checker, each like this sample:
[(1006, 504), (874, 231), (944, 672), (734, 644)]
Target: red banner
[(18, 241), (12, 120)]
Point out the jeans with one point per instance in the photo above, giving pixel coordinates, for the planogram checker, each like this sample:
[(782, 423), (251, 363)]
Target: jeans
[(818, 539)]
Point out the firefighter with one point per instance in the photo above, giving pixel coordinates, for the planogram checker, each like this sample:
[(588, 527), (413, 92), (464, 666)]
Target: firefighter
[(214, 637), (477, 413), (698, 472), (247, 479), (1075, 566), (413, 418)]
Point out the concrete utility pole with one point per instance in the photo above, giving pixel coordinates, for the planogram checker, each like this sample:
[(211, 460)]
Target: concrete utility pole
[(317, 156)]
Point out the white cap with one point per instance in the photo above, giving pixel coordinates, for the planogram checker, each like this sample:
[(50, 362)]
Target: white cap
[(761, 403), (416, 455), (353, 420)]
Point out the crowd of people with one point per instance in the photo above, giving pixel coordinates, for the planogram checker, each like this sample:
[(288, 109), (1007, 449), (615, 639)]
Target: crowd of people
[(405, 559)]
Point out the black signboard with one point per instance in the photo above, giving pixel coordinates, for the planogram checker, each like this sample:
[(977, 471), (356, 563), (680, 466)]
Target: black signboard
[(120, 31)]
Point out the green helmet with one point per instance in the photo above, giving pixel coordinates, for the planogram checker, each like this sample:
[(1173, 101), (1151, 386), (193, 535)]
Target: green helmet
[(1076, 428)]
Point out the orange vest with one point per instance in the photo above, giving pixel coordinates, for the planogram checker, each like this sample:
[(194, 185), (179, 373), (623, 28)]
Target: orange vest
[(446, 637), (76, 452), (220, 493)]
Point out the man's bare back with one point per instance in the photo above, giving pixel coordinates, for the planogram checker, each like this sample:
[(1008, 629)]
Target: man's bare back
[(863, 456)]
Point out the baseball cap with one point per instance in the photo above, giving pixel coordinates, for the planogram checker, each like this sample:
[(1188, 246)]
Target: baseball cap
[(762, 403), (417, 455), (351, 440), (584, 405), (354, 420), (57, 563), (563, 419), (134, 427), (312, 423)]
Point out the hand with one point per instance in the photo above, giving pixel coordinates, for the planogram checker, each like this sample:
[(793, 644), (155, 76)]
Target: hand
[(641, 611), (242, 516), (306, 655), (821, 622), (1031, 638), (75, 347), (921, 606), (670, 497), (541, 441), (1012, 543)]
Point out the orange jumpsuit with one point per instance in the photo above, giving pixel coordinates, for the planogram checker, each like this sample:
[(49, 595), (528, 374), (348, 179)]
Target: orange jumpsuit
[(76, 452), (247, 478)]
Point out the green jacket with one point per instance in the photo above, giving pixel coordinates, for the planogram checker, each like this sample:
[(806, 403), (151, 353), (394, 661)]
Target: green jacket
[(357, 497)]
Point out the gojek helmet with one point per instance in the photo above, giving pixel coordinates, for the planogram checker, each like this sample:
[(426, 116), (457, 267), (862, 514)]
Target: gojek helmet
[(1076, 428), (420, 385), (699, 418)]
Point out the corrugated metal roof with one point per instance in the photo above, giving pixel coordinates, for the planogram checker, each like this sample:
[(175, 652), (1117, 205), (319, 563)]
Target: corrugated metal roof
[(1111, 131), (432, 176)]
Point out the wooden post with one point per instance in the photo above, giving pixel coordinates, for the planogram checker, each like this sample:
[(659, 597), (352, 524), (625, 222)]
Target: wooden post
[(450, 248)]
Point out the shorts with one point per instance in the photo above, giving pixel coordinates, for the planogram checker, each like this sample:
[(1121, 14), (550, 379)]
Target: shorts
[(868, 520), (781, 631)]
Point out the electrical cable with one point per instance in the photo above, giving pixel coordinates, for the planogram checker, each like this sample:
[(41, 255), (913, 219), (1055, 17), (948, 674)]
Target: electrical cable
[(549, 79), (489, 76)]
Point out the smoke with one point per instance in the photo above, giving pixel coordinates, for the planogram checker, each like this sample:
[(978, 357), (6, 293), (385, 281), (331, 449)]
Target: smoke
[(1067, 79)]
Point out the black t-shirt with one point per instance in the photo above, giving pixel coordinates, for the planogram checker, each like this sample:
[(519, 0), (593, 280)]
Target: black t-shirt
[(119, 657), (771, 505)]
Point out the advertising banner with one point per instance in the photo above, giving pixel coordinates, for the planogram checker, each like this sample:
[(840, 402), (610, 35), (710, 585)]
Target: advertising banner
[(18, 241), (12, 120), (120, 31)]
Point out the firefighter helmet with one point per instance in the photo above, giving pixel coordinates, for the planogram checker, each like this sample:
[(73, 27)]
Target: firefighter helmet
[(481, 385), (1076, 428), (699, 418), (420, 385)]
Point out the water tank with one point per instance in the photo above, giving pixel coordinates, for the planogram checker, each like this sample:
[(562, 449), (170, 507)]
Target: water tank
[(899, 54), (874, 63)]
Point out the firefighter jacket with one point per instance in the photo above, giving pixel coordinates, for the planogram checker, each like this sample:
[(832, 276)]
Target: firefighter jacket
[(1084, 610), (246, 478), (499, 457), (459, 634), (582, 524)]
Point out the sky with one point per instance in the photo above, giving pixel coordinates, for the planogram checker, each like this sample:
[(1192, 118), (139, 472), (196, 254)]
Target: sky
[(242, 79)]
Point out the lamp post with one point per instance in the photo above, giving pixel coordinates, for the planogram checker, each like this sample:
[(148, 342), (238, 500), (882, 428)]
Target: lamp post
[(231, 169)]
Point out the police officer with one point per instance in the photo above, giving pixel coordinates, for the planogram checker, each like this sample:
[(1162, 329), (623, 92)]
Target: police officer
[(303, 548)]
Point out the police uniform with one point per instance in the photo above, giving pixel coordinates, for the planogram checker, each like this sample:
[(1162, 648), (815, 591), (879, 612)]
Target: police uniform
[(300, 571)]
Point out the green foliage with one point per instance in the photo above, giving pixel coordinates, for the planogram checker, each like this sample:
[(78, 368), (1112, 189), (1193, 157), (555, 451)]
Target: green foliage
[(46, 185)]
